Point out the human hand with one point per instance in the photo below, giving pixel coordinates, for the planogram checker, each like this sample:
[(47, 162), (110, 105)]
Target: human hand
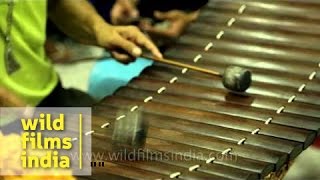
[(123, 11), (8, 99), (178, 21), (124, 42)]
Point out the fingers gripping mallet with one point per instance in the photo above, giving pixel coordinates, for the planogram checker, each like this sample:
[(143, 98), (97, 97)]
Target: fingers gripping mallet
[(234, 78)]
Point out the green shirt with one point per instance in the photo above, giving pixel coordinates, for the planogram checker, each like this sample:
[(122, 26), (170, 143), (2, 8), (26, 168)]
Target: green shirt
[(36, 78)]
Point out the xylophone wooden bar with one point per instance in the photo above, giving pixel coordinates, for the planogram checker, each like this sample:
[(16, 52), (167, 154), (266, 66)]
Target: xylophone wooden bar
[(231, 123), (209, 106), (288, 25), (262, 84), (257, 132), (295, 108), (164, 146), (287, 54), (257, 88), (221, 95), (269, 8), (214, 106), (261, 36), (161, 167)]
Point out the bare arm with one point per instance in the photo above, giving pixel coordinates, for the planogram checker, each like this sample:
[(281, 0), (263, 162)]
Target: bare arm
[(8, 99), (77, 18)]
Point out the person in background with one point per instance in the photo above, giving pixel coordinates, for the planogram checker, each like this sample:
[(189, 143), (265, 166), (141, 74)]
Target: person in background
[(177, 15)]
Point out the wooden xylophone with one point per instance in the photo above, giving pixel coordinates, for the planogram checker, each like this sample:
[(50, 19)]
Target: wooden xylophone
[(228, 136)]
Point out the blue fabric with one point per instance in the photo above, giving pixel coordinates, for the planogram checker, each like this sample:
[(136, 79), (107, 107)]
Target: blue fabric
[(109, 75)]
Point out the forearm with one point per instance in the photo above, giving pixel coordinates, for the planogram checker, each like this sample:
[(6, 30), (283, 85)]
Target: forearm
[(8, 99), (77, 18)]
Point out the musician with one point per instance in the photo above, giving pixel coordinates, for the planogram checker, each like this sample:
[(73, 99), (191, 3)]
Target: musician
[(163, 20), (173, 13), (26, 72)]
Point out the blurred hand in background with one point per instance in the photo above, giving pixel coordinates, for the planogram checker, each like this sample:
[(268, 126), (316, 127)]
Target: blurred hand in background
[(177, 21), (123, 12)]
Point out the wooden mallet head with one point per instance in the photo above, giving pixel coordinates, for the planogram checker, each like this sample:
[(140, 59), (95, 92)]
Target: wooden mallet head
[(129, 135), (236, 78)]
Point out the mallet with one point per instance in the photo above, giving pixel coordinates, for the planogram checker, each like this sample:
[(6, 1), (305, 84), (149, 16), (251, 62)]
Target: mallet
[(129, 134), (130, 131), (234, 78)]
